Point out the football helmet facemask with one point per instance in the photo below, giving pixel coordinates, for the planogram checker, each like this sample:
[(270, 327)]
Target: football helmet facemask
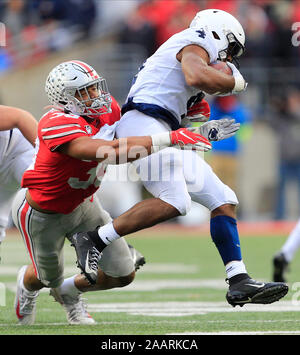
[(227, 32), (67, 87)]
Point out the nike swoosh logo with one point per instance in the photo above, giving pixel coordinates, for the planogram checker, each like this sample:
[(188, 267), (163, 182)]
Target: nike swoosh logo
[(108, 239), (187, 136), (244, 301), (87, 267), (257, 286)]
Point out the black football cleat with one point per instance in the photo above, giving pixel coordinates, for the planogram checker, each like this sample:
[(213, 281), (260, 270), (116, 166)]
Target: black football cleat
[(88, 255), (138, 259), (251, 291), (280, 266)]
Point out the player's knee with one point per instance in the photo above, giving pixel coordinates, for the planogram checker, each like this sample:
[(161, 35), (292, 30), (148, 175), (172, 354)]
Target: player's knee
[(126, 280), (182, 203), (225, 210)]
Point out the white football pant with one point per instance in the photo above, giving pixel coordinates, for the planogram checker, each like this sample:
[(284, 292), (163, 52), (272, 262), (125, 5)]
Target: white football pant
[(173, 175)]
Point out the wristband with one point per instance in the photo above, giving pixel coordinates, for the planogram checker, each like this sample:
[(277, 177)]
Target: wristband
[(239, 84), (160, 141)]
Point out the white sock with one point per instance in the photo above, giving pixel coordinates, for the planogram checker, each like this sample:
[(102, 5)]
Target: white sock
[(107, 233), (292, 244), (234, 268), (68, 287)]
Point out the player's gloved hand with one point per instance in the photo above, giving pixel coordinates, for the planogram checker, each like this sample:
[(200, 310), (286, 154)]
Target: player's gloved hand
[(217, 130), (240, 83), (185, 138), (181, 138), (199, 112)]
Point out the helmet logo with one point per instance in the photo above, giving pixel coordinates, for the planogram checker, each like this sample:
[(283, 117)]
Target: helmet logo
[(88, 129), (202, 33)]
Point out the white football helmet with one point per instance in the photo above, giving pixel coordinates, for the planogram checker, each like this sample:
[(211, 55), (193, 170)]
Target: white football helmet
[(226, 31), (64, 89)]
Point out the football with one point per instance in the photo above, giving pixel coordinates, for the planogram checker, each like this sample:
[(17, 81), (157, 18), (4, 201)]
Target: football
[(221, 66)]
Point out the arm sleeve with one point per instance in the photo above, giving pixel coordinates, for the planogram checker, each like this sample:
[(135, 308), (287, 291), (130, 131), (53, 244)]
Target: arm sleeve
[(57, 131)]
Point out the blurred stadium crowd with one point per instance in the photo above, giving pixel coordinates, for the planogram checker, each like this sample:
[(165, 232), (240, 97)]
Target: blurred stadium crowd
[(37, 28), (49, 25)]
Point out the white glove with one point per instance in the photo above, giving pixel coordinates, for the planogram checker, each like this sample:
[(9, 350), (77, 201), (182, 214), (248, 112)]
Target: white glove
[(240, 83), (217, 130)]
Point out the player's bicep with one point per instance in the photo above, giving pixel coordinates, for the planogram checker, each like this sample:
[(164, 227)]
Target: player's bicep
[(198, 73), (194, 63)]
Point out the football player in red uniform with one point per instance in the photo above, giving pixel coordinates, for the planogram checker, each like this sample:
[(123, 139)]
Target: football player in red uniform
[(75, 143)]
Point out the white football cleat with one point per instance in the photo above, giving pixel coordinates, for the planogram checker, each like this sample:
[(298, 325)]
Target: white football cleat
[(74, 307), (25, 301)]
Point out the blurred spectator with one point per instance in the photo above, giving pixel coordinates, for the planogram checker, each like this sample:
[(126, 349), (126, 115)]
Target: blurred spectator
[(168, 16), (137, 30), (224, 158), (180, 18), (36, 27), (81, 15), (14, 16), (52, 10), (285, 120), (257, 27), (225, 5), (74, 15), (5, 60), (281, 15)]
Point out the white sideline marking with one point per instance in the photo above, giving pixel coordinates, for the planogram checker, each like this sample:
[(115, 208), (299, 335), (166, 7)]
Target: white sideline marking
[(179, 309), (156, 285), (267, 332)]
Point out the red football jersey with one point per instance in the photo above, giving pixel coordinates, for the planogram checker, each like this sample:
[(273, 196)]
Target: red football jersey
[(56, 181)]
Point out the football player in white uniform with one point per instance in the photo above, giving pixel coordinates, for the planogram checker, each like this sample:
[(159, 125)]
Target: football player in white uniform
[(167, 85), (17, 139), (285, 255)]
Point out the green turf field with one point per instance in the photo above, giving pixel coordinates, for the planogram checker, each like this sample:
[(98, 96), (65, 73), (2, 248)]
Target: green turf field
[(181, 290)]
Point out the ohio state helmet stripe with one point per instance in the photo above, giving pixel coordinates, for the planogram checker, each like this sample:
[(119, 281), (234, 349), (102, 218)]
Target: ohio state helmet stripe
[(90, 70)]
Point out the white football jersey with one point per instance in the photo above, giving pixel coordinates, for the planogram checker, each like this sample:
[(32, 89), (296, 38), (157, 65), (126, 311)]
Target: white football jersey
[(5, 138), (16, 154), (161, 81)]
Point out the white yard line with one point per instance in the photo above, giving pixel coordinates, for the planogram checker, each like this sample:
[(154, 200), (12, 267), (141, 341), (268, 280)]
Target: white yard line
[(267, 332), (157, 285), (179, 309)]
